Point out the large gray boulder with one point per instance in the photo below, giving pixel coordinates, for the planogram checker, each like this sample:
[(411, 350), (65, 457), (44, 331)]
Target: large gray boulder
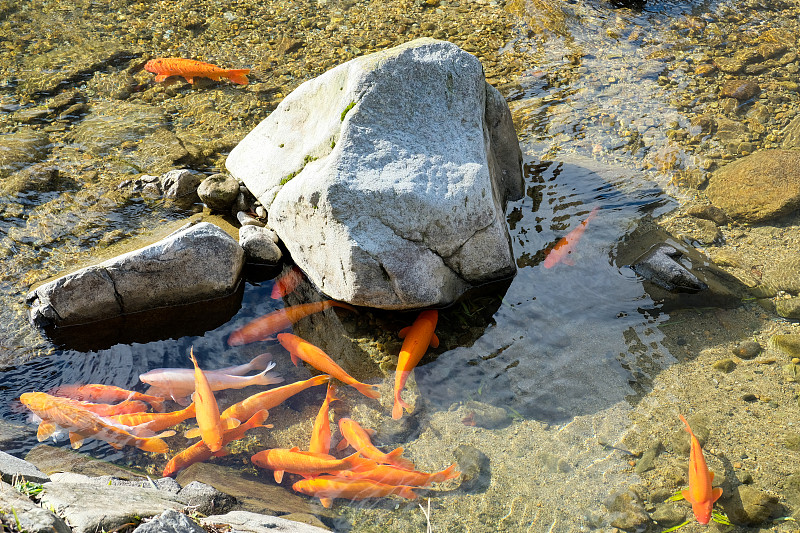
[(387, 177), (196, 263)]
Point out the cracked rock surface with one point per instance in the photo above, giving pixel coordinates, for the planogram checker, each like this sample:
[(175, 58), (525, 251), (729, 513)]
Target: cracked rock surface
[(196, 263), (387, 177)]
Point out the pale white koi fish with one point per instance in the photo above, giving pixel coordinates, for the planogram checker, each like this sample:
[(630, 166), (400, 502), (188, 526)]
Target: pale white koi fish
[(178, 383)]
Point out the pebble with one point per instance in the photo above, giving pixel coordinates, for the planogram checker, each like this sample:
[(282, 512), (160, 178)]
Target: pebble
[(747, 349)]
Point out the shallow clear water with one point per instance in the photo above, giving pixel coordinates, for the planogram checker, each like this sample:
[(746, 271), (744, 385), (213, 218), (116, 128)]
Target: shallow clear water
[(570, 351)]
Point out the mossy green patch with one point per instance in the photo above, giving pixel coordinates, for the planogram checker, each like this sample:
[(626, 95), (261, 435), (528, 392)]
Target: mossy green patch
[(306, 160), (346, 109)]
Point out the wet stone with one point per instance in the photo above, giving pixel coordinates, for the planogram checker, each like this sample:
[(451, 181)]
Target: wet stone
[(218, 191), (50, 459), (749, 506), (40, 177), (206, 499), (709, 212), (759, 187), (244, 521), (12, 468), (486, 416), (724, 365), (784, 275), (626, 511), (741, 90), (110, 125), (788, 308), (180, 184), (260, 245), (475, 469), (647, 461), (669, 514), (747, 349), (788, 343), (680, 441)]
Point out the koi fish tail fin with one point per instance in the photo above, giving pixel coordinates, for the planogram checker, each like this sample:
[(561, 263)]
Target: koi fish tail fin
[(344, 306), (448, 473), (593, 213), (238, 75), (397, 409), (170, 469), (406, 492), (319, 380), (688, 428), (395, 458), (370, 391), (154, 445), (264, 379), (326, 502), (261, 362), (157, 404)]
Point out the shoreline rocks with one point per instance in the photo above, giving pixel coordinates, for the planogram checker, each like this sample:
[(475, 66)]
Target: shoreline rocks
[(196, 263)]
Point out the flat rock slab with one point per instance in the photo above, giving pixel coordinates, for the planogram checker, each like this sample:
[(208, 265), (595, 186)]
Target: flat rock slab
[(12, 468), (759, 187), (32, 518), (253, 495), (196, 263), (89, 507), (52, 459), (246, 522)]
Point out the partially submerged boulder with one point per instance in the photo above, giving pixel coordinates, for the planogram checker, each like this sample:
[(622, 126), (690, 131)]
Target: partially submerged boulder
[(387, 177), (196, 263)]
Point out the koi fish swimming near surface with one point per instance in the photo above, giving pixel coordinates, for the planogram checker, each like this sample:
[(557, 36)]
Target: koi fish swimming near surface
[(700, 493), (164, 67), (561, 252), (271, 323), (418, 337)]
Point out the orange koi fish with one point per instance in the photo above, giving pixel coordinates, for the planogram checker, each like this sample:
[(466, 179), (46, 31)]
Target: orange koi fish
[(165, 67), (95, 392), (154, 422), (560, 253), (208, 419), (391, 475), (327, 488), (301, 349), (359, 439), (263, 327), (700, 494), (294, 461), (270, 398), (321, 433), (199, 452), (287, 283), (81, 424), (178, 383), (418, 337), (104, 409)]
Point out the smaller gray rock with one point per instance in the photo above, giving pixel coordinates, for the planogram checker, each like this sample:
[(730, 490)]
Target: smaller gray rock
[(180, 184), (260, 245), (170, 521), (476, 472), (626, 511), (660, 266), (647, 460), (669, 514), (218, 191), (13, 468), (747, 349), (32, 518), (749, 506), (788, 308), (486, 416), (206, 499), (740, 89), (247, 522), (246, 220)]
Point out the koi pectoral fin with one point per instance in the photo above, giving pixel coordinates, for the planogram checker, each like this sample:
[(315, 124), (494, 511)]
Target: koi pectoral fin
[(716, 493), (434, 341)]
